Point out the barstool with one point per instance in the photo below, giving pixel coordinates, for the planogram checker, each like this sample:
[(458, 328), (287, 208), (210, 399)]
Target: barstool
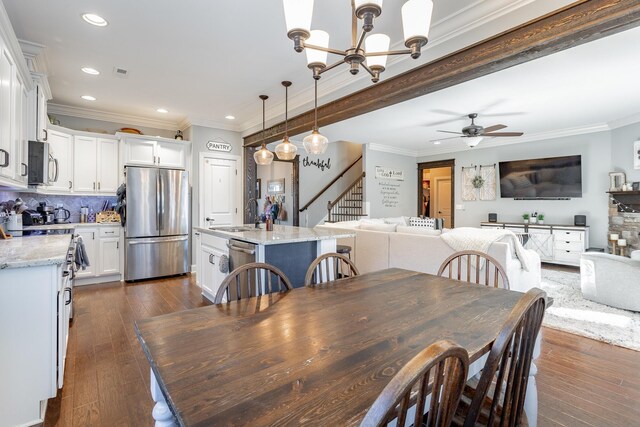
[(344, 250)]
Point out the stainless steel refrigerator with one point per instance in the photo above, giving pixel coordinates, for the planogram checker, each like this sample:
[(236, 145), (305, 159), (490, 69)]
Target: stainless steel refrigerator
[(157, 223)]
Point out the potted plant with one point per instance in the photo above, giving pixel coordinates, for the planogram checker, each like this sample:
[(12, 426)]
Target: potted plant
[(540, 218), (534, 218), (525, 218)]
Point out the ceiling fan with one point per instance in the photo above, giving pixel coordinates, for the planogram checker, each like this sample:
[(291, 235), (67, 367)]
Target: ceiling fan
[(475, 133)]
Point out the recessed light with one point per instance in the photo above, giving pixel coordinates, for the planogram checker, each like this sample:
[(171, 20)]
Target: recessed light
[(94, 19), (162, 110), (437, 142), (88, 97), (90, 70), (230, 117)]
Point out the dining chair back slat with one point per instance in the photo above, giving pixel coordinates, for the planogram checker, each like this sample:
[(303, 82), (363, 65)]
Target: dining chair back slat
[(494, 273), (251, 280), (328, 267), (436, 374)]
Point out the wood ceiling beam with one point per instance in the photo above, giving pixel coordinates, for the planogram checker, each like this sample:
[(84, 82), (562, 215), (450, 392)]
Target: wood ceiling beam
[(578, 23)]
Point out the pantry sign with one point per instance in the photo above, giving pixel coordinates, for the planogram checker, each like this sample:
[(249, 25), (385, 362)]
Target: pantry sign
[(219, 146), (387, 173)]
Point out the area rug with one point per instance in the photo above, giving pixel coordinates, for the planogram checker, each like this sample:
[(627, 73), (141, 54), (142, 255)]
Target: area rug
[(571, 312)]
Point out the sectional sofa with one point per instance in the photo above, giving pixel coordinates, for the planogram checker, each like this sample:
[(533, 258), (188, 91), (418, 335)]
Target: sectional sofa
[(388, 242)]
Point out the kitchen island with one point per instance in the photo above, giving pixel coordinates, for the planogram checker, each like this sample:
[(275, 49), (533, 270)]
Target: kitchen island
[(219, 250)]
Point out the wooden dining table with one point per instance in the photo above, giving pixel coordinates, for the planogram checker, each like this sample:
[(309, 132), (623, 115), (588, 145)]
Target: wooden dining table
[(312, 356)]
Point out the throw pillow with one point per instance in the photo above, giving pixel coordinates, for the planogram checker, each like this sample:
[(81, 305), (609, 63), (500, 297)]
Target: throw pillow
[(379, 227), (425, 231), (422, 222), (401, 220)]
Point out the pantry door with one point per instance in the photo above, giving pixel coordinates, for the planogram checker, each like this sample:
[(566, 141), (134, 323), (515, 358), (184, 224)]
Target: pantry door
[(220, 186)]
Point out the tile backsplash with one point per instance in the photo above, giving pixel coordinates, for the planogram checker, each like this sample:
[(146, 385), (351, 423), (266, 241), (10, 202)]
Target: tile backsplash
[(70, 202)]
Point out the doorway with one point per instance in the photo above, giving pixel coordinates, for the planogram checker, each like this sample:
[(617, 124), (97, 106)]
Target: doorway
[(436, 190), (277, 191)]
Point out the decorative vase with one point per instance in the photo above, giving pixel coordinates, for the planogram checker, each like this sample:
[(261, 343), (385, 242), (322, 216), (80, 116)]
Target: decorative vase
[(533, 220), (541, 221), (526, 221)]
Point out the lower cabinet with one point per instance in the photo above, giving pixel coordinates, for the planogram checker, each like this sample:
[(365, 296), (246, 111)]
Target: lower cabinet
[(211, 266), (102, 245)]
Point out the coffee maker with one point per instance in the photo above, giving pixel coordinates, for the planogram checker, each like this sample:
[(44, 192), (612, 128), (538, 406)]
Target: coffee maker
[(47, 213)]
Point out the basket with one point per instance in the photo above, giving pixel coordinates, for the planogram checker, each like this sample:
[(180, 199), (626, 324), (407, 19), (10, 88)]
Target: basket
[(107, 216)]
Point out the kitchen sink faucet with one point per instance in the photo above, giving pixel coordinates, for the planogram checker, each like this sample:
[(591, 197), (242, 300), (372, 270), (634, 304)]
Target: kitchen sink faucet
[(247, 208)]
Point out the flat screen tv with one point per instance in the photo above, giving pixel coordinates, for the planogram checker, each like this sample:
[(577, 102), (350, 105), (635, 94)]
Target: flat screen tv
[(550, 178)]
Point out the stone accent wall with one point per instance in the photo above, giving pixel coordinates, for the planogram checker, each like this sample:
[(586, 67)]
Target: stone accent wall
[(627, 225)]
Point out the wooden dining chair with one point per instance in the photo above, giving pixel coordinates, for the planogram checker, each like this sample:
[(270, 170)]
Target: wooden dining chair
[(330, 266), (497, 398), (466, 266), (251, 280), (435, 377)]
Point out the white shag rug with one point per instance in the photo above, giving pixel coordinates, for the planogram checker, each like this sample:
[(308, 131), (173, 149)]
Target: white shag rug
[(571, 312)]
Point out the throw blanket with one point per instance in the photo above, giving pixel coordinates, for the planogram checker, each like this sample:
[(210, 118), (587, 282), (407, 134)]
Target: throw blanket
[(477, 239)]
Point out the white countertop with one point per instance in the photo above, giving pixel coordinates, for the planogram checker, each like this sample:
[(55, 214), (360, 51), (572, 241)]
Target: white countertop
[(280, 234), (34, 250), (70, 225)]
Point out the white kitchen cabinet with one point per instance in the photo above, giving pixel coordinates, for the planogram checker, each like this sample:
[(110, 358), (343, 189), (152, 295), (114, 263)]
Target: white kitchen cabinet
[(61, 168), (102, 244), (109, 252), (158, 152), (196, 255), (210, 258), (90, 238), (7, 143), (42, 120), (95, 167)]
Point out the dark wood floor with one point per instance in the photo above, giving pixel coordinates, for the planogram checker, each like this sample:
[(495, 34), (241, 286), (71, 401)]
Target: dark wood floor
[(580, 381)]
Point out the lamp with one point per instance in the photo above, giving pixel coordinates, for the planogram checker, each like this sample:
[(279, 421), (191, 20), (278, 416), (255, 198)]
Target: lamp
[(315, 143), (472, 141), (263, 157), (286, 150), (416, 20)]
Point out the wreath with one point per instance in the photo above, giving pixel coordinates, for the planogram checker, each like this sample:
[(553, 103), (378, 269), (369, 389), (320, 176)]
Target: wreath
[(477, 181)]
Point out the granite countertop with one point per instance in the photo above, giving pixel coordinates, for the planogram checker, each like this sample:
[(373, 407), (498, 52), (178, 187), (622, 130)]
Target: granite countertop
[(70, 225), (34, 250), (280, 234)]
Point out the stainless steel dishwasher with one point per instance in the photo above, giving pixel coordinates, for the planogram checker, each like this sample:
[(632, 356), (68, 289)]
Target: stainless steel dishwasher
[(241, 253)]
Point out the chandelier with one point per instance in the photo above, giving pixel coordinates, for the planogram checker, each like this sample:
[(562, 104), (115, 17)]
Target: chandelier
[(416, 19)]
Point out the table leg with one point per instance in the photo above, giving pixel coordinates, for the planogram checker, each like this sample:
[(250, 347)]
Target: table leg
[(161, 412)]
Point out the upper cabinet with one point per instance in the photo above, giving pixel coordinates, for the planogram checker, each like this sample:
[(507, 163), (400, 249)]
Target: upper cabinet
[(61, 163), (163, 153), (95, 167)]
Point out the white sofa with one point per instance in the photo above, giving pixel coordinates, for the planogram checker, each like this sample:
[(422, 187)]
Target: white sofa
[(611, 279), (377, 250)]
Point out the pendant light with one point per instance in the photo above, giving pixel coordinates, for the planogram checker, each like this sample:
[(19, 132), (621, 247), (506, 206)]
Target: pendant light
[(263, 157), (315, 143), (286, 150)]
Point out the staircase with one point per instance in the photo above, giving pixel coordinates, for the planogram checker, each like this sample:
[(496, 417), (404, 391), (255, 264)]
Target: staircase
[(349, 206)]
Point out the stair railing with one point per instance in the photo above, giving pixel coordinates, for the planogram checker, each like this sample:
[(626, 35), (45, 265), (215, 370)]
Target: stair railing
[(349, 213), (333, 181)]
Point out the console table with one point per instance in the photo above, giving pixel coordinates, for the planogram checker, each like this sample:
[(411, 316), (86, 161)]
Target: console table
[(555, 243)]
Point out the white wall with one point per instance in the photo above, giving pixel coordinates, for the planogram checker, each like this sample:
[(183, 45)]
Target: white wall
[(339, 155), (595, 150), (404, 193), (622, 140)]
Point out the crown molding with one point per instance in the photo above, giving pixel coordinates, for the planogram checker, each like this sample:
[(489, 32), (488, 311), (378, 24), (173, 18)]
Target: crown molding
[(541, 136), (625, 121), (41, 79), (36, 56), (198, 121), (87, 113), (9, 37), (393, 150)]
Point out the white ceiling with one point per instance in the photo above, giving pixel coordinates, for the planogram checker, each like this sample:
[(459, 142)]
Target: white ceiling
[(587, 88), (203, 60)]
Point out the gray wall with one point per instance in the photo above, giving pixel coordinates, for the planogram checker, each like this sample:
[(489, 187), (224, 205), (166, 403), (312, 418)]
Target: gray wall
[(596, 164), (313, 178), (376, 190), (90, 125), (622, 140)]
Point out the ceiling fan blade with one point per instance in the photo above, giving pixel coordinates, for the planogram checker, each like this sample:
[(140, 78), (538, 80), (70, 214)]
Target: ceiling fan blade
[(449, 113), (442, 122), (494, 128), (444, 139), (504, 134), (448, 131)]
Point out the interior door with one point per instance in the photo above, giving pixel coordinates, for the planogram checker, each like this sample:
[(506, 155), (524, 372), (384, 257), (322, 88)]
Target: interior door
[(442, 203), (218, 191), (174, 202)]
